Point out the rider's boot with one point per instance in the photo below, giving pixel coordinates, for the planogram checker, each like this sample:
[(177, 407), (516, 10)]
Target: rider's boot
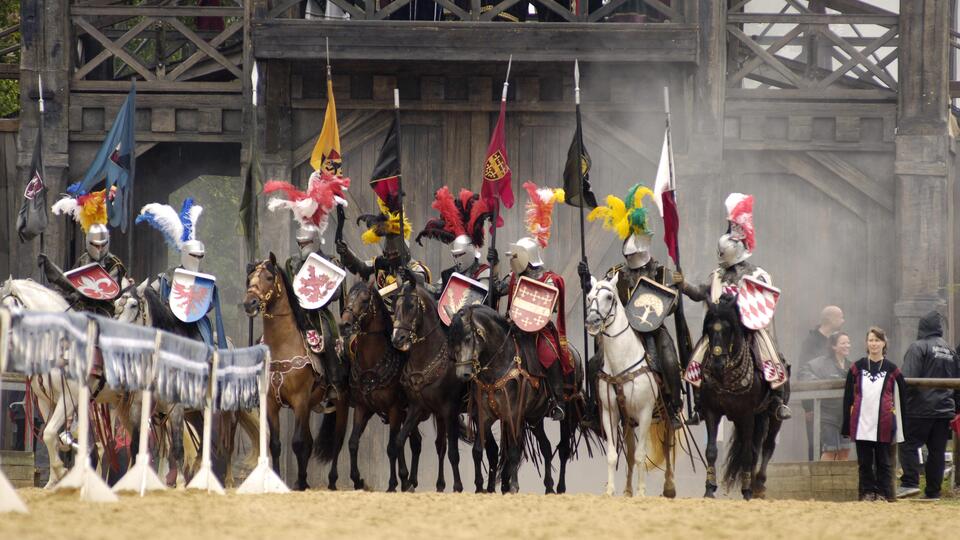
[(591, 411), (694, 419), (555, 387), (781, 411), (674, 395)]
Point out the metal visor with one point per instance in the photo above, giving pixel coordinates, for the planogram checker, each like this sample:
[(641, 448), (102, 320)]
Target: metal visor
[(317, 282)]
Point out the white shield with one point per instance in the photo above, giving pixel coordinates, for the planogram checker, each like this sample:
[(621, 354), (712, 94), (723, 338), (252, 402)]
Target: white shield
[(317, 282), (191, 294), (757, 302)]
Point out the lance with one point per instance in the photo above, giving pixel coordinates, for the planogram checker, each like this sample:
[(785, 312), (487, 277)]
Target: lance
[(43, 275), (396, 110), (583, 244), (492, 251), (251, 245), (684, 341)]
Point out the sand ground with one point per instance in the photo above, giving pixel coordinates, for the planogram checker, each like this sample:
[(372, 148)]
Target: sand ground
[(179, 515)]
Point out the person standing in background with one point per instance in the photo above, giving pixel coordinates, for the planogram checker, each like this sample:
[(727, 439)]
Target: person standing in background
[(872, 417), (832, 366), (929, 410), (815, 345)]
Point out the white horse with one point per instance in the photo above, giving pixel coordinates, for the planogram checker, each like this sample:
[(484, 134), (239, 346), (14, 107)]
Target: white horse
[(56, 395), (628, 394)]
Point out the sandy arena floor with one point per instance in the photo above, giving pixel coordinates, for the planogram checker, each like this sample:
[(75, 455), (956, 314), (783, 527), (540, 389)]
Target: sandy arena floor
[(185, 516)]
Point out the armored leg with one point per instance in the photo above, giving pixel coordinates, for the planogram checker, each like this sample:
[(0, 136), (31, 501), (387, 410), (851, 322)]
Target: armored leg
[(666, 365), (555, 387)]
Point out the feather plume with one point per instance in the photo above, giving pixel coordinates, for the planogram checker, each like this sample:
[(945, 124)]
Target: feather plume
[(477, 212), (449, 213), (67, 205), (539, 211), (189, 214), (614, 216), (166, 220), (93, 209), (298, 202)]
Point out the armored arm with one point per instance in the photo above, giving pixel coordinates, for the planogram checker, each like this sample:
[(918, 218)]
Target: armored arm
[(697, 293), (353, 263), (54, 275)]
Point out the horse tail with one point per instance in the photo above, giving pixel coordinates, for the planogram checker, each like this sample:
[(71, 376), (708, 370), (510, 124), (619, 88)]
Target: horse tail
[(324, 444), (657, 442), (734, 463)]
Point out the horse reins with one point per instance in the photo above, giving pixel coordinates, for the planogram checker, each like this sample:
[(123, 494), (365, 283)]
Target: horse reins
[(605, 319), (263, 299)]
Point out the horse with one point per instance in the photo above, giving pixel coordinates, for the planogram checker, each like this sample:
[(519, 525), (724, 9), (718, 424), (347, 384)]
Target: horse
[(56, 395), (428, 377), (485, 350), (733, 387), (375, 369), (142, 305), (294, 381), (628, 394)]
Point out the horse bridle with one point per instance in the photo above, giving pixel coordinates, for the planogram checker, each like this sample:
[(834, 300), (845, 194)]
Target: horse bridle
[(264, 299), (605, 319), (420, 311), (141, 310), (481, 339)]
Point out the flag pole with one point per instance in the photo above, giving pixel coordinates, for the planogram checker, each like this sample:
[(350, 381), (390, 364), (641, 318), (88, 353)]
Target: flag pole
[(684, 341), (396, 109), (43, 275), (491, 253), (583, 244), (130, 192)]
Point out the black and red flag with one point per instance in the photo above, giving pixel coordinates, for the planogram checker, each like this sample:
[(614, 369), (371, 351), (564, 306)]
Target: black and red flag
[(32, 219), (385, 179)]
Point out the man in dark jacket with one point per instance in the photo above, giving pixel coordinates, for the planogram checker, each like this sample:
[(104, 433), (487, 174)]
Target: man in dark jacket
[(927, 411), (815, 345)]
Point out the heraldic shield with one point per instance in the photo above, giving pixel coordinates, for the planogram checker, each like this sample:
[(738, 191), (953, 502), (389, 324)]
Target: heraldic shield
[(317, 282), (757, 302), (93, 281), (649, 305), (459, 293), (191, 294), (532, 304)]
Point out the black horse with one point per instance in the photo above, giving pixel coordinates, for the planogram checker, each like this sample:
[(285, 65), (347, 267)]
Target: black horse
[(733, 387), (485, 349)]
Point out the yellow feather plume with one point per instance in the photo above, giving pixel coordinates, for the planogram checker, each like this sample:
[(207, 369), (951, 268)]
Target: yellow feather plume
[(559, 195), (614, 216), (93, 210), (370, 236), (639, 194)]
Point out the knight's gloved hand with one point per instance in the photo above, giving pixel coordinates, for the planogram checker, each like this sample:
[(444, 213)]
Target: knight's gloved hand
[(493, 258), (341, 248), (583, 269), (42, 260), (677, 278)]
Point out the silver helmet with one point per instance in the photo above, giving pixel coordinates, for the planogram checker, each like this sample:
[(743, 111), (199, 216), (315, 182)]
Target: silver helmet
[(309, 239), (98, 241), (464, 252), (636, 249), (731, 251), (191, 253), (525, 252)]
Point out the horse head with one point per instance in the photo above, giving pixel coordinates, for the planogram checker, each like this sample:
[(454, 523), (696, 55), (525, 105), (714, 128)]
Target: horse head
[(409, 313), (264, 286), (355, 308), (7, 298), (130, 307), (603, 304), (723, 328)]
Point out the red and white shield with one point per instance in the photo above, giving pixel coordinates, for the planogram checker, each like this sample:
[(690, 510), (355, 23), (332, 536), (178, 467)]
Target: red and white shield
[(317, 282), (757, 302), (460, 292), (93, 281), (191, 294), (532, 304)]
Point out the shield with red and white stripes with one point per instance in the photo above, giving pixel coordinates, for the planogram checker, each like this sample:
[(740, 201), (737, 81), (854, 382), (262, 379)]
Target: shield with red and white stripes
[(757, 301)]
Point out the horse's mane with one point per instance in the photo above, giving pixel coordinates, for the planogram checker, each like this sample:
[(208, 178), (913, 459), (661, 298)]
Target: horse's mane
[(480, 313), (35, 296), (164, 319), (299, 315)]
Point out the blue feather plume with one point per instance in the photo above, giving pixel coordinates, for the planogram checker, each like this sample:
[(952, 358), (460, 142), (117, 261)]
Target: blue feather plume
[(75, 189), (185, 219)]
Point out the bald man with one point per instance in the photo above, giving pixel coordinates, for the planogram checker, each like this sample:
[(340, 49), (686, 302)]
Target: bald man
[(815, 345)]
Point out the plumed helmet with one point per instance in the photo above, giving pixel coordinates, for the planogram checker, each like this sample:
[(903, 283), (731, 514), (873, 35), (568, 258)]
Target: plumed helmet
[(731, 251), (309, 239), (636, 250), (191, 253), (524, 252), (98, 241)]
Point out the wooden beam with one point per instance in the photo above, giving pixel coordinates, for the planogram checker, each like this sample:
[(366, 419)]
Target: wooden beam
[(855, 61), (119, 52), (767, 58), (206, 47), (855, 177), (480, 106), (860, 57), (811, 18), (147, 11), (803, 167), (472, 41), (629, 140), (756, 61), (198, 55), (147, 137), (106, 53), (855, 6), (812, 94), (9, 71), (157, 86)]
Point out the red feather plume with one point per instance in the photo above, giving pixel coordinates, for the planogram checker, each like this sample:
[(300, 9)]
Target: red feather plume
[(452, 219)]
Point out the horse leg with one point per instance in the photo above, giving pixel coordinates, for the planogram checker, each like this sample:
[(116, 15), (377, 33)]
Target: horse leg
[(639, 457), (360, 418), (629, 449), (394, 454), (273, 420), (712, 421), (547, 453), (515, 453), (767, 445), (416, 444), (669, 488), (747, 458), (483, 437), (340, 431), (611, 420), (493, 459), (51, 431), (453, 448), (563, 450), (302, 441), (407, 427), (441, 444)]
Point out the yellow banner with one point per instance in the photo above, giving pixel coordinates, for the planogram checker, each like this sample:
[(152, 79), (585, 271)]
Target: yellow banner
[(326, 153)]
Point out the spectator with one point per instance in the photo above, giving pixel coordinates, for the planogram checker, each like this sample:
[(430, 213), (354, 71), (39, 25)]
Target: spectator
[(928, 410), (833, 366), (814, 346), (873, 389)]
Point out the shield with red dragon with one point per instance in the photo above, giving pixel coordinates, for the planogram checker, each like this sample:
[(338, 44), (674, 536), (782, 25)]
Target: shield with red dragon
[(460, 292), (191, 294), (532, 304), (93, 281), (317, 282)]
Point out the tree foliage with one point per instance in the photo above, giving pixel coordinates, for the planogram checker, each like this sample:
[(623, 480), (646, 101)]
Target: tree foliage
[(9, 89)]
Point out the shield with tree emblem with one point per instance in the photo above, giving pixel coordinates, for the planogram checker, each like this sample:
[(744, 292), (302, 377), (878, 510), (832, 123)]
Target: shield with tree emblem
[(649, 305)]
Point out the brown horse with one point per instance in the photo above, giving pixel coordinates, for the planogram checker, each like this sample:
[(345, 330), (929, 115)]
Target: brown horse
[(375, 387), (428, 377), (294, 382)]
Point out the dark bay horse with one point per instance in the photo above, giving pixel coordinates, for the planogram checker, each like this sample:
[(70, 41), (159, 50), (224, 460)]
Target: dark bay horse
[(294, 382), (428, 378), (485, 349), (733, 387), (375, 367)]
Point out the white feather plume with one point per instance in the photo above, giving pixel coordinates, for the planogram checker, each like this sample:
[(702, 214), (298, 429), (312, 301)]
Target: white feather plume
[(68, 206), (194, 213), (302, 210), (166, 220)]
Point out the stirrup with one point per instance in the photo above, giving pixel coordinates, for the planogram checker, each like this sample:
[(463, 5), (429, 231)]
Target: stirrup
[(556, 412), (694, 419), (783, 412)]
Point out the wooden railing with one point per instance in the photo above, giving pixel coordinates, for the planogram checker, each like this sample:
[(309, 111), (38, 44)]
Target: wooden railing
[(165, 47), (809, 51), (10, 52), (487, 10)]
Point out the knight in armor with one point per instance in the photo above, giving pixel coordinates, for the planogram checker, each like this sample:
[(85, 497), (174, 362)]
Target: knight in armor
[(311, 210), (549, 343), (460, 225), (90, 211), (180, 231), (384, 227), (733, 249), (628, 218)]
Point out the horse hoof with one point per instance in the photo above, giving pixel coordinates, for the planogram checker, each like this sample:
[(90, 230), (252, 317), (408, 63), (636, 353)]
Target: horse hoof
[(359, 484), (480, 489), (747, 494), (458, 488), (561, 489), (710, 492), (628, 493), (669, 493), (549, 491)]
